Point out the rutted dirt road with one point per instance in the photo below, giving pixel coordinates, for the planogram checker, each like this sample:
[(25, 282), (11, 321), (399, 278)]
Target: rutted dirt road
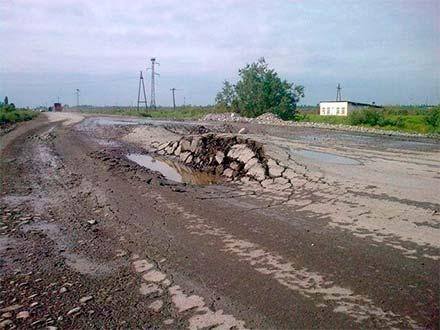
[(304, 228)]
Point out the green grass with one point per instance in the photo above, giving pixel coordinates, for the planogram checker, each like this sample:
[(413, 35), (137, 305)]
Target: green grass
[(14, 116), (402, 119), (180, 113), (324, 119)]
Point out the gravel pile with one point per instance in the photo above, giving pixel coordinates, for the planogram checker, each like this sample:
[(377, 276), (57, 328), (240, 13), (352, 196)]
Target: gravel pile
[(227, 116), (269, 118)]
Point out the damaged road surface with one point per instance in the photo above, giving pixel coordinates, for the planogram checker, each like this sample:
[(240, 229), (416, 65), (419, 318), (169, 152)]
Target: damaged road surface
[(111, 222)]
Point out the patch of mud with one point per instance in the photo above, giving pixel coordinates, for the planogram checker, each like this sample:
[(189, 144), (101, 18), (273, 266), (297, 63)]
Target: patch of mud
[(309, 284), (75, 261), (6, 243)]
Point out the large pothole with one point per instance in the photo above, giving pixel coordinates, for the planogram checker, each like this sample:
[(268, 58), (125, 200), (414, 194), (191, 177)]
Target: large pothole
[(233, 157), (173, 170)]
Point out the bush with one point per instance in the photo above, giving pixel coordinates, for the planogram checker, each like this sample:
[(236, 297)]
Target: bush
[(370, 117), (7, 117), (433, 119), (374, 117)]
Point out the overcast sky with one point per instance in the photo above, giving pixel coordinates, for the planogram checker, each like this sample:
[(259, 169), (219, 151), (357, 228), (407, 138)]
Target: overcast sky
[(382, 51)]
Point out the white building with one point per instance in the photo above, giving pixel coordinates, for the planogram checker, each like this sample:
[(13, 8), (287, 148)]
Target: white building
[(341, 108)]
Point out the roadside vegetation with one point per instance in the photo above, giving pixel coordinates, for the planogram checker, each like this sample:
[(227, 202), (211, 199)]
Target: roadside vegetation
[(180, 113), (10, 114), (395, 118)]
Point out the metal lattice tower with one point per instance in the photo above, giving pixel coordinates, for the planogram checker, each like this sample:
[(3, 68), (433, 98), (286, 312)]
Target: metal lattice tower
[(141, 82), (338, 93), (153, 87)]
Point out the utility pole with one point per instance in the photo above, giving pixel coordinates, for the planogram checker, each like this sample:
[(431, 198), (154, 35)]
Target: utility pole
[(153, 87), (338, 93), (141, 82), (173, 90), (174, 98), (77, 98)]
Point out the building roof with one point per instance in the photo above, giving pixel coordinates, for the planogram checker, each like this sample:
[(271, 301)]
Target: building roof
[(355, 103)]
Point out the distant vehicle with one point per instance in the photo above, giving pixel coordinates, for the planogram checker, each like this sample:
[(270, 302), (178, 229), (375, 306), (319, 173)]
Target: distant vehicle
[(57, 107)]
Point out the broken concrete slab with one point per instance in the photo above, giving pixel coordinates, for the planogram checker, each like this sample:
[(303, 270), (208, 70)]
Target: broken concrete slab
[(219, 157), (275, 170), (241, 152), (185, 145), (257, 171)]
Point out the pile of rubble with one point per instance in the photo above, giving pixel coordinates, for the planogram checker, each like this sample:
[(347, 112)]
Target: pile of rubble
[(226, 116), (269, 118), (231, 156), (265, 118)]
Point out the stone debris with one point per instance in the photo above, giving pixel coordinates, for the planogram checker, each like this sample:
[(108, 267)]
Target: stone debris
[(156, 305), (147, 289), (275, 170), (73, 311), (242, 131), (6, 324), (23, 315), (10, 308), (83, 300), (233, 157)]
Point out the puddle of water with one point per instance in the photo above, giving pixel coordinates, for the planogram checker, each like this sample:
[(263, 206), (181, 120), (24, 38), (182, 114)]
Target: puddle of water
[(326, 157), (173, 170)]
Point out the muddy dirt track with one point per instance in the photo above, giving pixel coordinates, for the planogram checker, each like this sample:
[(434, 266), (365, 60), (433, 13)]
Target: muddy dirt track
[(335, 230)]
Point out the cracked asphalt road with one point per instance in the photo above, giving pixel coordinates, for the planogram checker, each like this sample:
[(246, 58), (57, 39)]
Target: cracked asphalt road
[(89, 239)]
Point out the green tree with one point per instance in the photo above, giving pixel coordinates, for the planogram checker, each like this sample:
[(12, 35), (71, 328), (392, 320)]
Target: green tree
[(6, 102), (226, 96), (433, 119), (261, 90)]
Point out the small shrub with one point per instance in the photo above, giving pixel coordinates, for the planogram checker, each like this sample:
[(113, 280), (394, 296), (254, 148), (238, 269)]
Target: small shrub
[(433, 119), (8, 116), (370, 117), (144, 114)]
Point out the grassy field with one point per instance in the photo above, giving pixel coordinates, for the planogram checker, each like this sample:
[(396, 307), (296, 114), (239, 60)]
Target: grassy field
[(180, 113), (403, 119)]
